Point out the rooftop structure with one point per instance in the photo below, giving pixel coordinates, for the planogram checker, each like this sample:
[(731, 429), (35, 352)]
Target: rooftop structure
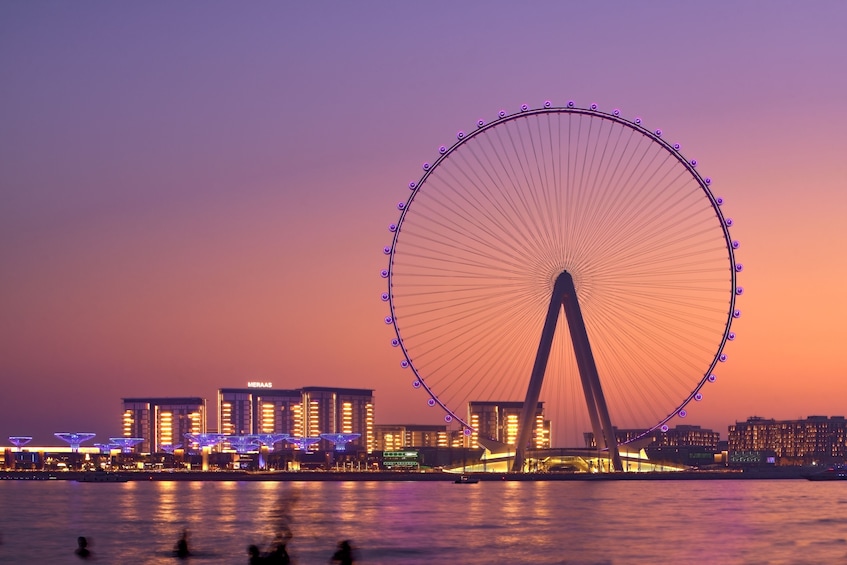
[(74, 439), (340, 441), (20, 441), (126, 443)]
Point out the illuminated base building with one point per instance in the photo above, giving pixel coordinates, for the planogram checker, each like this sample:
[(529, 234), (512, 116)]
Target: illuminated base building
[(499, 421), (162, 422), (815, 440), (684, 444), (306, 412), (393, 437)]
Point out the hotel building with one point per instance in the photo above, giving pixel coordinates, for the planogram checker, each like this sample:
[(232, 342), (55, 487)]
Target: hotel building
[(499, 421), (389, 437), (327, 410), (259, 410), (817, 439), (162, 421)]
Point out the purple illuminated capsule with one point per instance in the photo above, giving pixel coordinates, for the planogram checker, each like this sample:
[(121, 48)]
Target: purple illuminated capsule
[(683, 413), (404, 364), (480, 123), (735, 244), (392, 227), (413, 185), (401, 205), (659, 132), (693, 162), (712, 378), (388, 319), (664, 427), (676, 146), (707, 180), (395, 342), (739, 267), (593, 106), (736, 314), (722, 358), (431, 402), (384, 297), (739, 290), (638, 121), (502, 113), (730, 336), (524, 107), (384, 273), (547, 103), (728, 222), (416, 384), (570, 103), (426, 166), (616, 112), (442, 150), (448, 418), (387, 250), (467, 431), (698, 397), (460, 135)]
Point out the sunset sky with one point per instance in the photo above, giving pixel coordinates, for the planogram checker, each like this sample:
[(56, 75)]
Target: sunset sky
[(195, 195)]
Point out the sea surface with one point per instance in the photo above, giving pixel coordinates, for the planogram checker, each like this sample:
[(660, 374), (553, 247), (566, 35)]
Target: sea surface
[(574, 522)]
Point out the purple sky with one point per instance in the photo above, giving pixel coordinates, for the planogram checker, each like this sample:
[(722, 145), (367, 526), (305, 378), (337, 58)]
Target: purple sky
[(195, 195)]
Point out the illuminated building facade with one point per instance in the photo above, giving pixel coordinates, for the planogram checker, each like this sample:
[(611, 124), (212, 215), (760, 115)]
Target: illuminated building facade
[(259, 410), (162, 422), (817, 439), (398, 437), (326, 410), (679, 436), (499, 421)]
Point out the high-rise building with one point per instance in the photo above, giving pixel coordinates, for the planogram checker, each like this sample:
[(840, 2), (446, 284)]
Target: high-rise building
[(259, 410), (817, 439), (163, 421), (327, 410), (499, 421)]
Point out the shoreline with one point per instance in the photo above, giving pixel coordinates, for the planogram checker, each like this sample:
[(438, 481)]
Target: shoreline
[(374, 476)]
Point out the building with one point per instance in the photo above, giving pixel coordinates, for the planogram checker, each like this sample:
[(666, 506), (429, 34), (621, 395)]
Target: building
[(395, 437), (817, 439), (163, 421), (499, 421), (327, 410), (259, 409)]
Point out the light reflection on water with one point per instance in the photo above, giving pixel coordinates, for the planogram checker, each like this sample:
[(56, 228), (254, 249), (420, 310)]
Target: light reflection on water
[(752, 521)]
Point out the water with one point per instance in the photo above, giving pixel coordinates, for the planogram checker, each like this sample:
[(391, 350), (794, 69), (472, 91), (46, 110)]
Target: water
[(608, 522)]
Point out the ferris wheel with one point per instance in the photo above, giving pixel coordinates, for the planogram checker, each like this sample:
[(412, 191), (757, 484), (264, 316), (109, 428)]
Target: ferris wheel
[(562, 208)]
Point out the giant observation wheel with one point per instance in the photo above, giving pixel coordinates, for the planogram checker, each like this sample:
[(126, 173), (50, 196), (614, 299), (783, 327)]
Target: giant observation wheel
[(476, 284)]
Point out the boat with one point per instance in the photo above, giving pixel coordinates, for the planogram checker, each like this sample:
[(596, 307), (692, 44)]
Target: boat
[(101, 477), (834, 473), (466, 480)]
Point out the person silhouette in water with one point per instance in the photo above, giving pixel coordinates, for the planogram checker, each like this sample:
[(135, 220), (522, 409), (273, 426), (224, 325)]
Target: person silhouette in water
[(344, 554), (181, 550), (82, 550)]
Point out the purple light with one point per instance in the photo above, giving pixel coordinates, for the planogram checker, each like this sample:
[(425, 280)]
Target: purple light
[(460, 135), (547, 103), (638, 121), (426, 166), (593, 106), (448, 418), (676, 146), (392, 227), (707, 180), (683, 413), (739, 267), (442, 150), (722, 358), (302, 443), (502, 113), (416, 384), (664, 427), (388, 320), (20, 441), (404, 364), (384, 273), (735, 244), (384, 297), (430, 402), (524, 107), (736, 314), (480, 123), (659, 133), (413, 185), (730, 336), (693, 162), (616, 112), (401, 205), (571, 103), (340, 440), (395, 342), (387, 250), (712, 378), (739, 291), (719, 200), (74, 438), (467, 431), (125, 443), (728, 222), (698, 397)]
